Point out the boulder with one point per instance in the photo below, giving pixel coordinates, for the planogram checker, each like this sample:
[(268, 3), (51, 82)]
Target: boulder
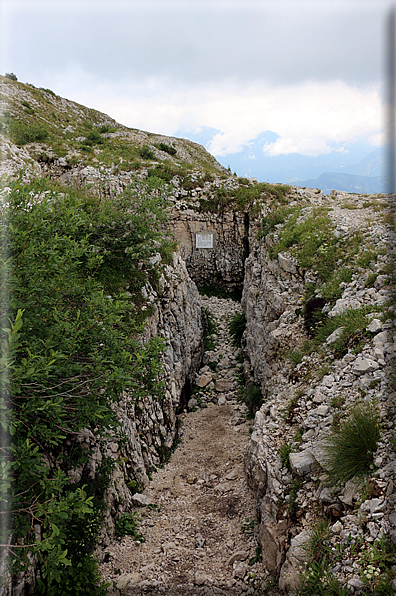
[(141, 500), (303, 462)]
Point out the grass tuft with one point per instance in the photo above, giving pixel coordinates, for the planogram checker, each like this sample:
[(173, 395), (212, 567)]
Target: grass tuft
[(350, 448), (237, 327)]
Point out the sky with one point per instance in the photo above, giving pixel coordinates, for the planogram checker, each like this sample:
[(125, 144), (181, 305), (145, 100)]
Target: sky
[(311, 71)]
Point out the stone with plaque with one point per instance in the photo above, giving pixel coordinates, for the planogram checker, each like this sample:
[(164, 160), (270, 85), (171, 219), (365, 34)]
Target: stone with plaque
[(204, 240)]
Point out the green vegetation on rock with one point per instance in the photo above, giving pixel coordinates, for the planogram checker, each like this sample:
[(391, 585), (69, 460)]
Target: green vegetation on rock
[(74, 270)]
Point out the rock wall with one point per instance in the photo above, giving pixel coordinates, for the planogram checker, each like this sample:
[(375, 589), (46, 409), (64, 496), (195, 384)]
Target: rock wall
[(150, 425), (302, 402), (221, 266)]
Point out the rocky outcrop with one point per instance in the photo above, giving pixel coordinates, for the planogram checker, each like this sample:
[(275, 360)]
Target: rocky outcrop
[(222, 265), (150, 425), (303, 401)]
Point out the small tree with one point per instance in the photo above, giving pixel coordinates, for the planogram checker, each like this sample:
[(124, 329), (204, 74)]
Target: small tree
[(11, 75)]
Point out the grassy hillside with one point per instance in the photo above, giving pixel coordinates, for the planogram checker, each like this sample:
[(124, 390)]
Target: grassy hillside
[(49, 127)]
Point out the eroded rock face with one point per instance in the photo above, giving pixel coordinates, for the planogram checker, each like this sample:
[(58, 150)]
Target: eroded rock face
[(222, 265), (150, 426), (272, 292), (301, 405)]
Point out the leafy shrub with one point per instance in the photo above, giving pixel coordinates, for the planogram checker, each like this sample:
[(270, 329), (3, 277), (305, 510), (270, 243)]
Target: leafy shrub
[(274, 218), (11, 76), (167, 148), (163, 171), (127, 524), (312, 241), (22, 133), (146, 153), (252, 397), (48, 91), (27, 106), (106, 128), (83, 579), (350, 448), (244, 198), (353, 322), (69, 349), (237, 328), (284, 453), (94, 137)]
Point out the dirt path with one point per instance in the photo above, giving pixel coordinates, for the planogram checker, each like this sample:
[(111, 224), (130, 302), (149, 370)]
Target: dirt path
[(198, 540)]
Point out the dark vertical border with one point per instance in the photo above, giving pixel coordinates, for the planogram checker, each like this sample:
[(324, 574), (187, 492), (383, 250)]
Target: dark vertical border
[(390, 97)]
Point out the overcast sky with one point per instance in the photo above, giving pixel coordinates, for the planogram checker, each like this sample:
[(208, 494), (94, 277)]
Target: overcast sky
[(311, 71)]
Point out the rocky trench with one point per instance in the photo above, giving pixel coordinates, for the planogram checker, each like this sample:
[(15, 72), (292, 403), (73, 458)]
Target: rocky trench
[(227, 469), (284, 502)]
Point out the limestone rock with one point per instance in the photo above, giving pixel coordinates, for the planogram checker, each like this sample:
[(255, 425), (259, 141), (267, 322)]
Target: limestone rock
[(223, 385), (128, 580), (289, 579), (375, 326), (204, 380), (240, 569), (303, 462), (142, 500), (199, 578), (237, 556), (364, 365)]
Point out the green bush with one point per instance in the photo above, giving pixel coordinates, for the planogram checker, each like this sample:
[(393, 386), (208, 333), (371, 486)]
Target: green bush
[(22, 133), (48, 91), (163, 171), (146, 153), (312, 241), (350, 448), (284, 453), (252, 397), (127, 524), (278, 216), (82, 579), (167, 148), (210, 330), (11, 76), (237, 328), (69, 348)]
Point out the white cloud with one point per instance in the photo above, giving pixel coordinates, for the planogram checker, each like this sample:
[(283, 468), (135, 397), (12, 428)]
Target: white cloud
[(311, 118)]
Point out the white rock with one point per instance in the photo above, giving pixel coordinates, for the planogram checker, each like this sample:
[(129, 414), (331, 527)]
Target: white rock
[(199, 578), (240, 569), (303, 462), (337, 527), (328, 380), (375, 326), (322, 410), (381, 338), (204, 380), (144, 500), (335, 335), (373, 505), (128, 579), (364, 365)]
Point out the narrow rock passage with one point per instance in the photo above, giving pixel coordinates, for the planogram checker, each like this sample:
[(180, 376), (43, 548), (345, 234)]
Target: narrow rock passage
[(198, 540)]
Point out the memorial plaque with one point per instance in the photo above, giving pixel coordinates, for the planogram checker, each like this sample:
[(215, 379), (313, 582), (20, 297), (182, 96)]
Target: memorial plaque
[(204, 240)]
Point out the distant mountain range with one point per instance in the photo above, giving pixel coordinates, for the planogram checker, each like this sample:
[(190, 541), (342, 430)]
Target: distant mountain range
[(347, 182), (354, 167)]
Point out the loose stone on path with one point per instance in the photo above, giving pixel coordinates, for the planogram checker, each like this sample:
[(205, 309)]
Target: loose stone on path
[(194, 541)]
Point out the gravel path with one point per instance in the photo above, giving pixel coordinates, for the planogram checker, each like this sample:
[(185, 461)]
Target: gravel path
[(199, 536)]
